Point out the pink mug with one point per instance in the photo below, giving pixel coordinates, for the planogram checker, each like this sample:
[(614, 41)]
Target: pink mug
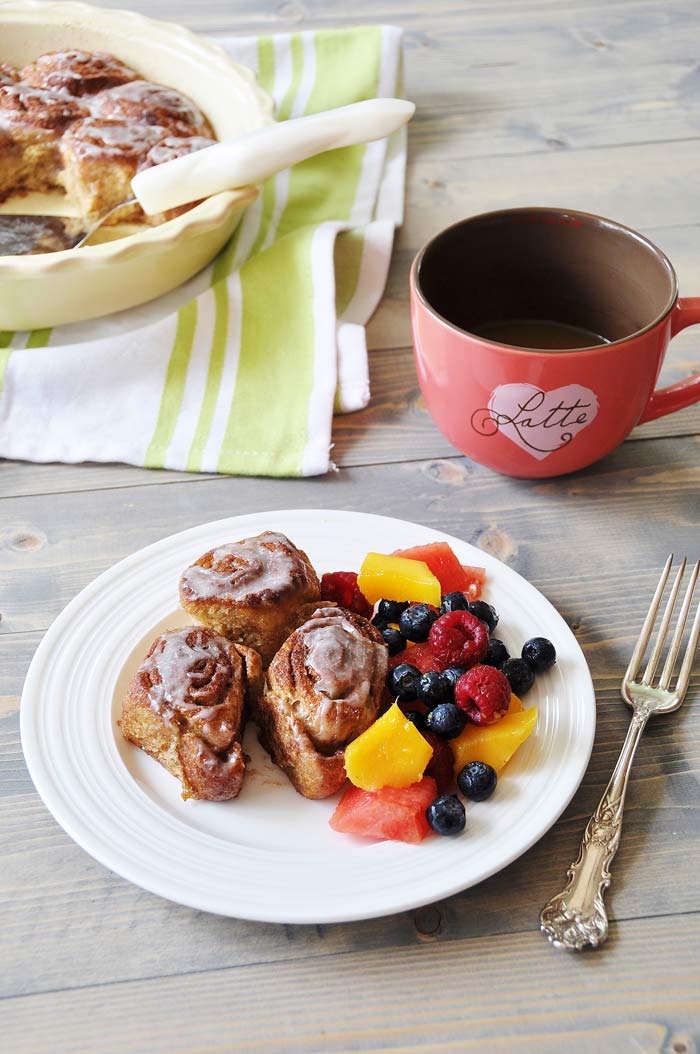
[(541, 411)]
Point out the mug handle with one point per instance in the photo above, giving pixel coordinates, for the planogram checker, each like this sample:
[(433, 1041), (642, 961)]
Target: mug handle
[(682, 393)]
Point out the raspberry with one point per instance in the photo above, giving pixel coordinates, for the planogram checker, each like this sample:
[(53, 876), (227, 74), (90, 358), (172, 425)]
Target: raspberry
[(458, 639), (341, 587), (441, 764), (484, 693)]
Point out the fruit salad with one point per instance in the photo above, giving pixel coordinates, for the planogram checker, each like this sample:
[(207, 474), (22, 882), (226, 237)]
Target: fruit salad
[(456, 716)]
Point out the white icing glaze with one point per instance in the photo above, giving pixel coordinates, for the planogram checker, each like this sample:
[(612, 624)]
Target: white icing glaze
[(179, 672), (242, 569), (73, 70), (176, 146), (96, 137), (344, 662), (143, 99), (24, 105)]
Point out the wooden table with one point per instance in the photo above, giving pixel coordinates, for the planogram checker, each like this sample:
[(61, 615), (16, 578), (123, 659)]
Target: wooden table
[(592, 105)]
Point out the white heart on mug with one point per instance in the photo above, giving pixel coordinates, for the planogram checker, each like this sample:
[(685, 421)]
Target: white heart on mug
[(536, 420)]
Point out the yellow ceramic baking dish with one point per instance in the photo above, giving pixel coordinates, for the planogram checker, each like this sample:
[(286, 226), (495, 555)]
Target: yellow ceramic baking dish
[(77, 284)]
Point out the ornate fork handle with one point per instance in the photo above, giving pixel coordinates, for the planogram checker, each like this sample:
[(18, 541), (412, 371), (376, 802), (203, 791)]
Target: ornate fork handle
[(576, 917)]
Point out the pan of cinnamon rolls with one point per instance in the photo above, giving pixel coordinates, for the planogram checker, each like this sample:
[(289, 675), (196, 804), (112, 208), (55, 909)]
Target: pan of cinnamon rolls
[(263, 647), (89, 97), (86, 123)]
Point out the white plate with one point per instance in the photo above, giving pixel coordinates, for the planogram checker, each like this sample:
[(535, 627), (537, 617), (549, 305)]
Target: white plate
[(270, 855)]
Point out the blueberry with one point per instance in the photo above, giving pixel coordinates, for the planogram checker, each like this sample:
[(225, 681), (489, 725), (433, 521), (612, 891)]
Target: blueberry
[(434, 689), (402, 682), (446, 720), (390, 610), (393, 640), (446, 815), (539, 653), (519, 675), (452, 674), (477, 781), (416, 718), (415, 622), (497, 653), (454, 602), (485, 613)]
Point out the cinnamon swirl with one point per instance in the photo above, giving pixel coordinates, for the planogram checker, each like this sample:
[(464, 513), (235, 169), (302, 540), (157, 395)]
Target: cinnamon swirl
[(251, 591), (186, 707), (323, 688)]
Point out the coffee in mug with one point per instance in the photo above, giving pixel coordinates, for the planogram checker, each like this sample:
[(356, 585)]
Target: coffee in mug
[(539, 335)]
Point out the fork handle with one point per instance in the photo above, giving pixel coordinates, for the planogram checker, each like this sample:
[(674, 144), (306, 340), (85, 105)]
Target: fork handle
[(576, 917)]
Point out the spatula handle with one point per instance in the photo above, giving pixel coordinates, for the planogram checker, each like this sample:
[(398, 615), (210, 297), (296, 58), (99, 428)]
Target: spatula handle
[(268, 150)]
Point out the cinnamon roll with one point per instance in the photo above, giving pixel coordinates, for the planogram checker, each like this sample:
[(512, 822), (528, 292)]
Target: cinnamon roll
[(251, 591), (32, 121), (151, 104), (77, 72), (100, 158), (323, 688), (186, 707)]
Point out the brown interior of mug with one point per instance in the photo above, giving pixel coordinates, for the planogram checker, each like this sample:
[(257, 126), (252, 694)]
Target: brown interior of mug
[(567, 267)]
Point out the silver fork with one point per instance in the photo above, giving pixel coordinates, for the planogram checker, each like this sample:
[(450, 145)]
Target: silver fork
[(576, 917)]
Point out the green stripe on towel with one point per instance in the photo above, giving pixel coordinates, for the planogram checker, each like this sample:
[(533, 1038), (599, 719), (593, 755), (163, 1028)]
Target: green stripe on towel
[(174, 388), (277, 329)]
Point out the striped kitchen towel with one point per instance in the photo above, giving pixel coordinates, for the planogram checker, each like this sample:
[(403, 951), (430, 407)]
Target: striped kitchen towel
[(240, 370)]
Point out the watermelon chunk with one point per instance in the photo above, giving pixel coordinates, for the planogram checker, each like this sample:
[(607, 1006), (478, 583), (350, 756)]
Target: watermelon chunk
[(419, 655), (477, 577), (392, 813), (453, 576)]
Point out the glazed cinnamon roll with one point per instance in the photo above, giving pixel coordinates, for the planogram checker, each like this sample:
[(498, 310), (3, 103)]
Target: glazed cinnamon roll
[(151, 104), (251, 591), (323, 688), (32, 122), (186, 707), (77, 72), (100, 158)]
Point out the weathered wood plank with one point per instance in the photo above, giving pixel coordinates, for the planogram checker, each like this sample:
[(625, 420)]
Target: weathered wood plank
[(513, 991), (218, 16), (49, 550)]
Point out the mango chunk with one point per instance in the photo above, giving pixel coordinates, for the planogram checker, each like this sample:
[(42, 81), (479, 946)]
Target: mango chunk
[(514, 706), (494, 744), (390, 753), (397, 578)]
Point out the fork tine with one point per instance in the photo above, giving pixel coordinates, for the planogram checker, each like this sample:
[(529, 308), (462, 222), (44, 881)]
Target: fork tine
[(641, 645), (663, 628), (684, 675), (667, 671)]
